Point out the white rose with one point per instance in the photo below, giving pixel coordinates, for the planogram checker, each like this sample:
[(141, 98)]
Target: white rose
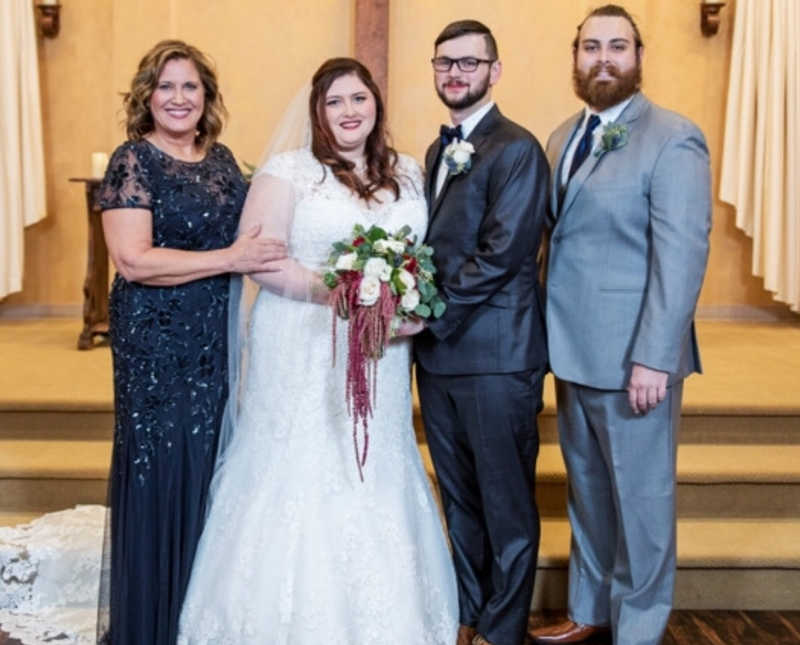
[(460, 156), (376, 267), (410, 300), (407, 279), (369, 290), (345, 262), (396, 246)]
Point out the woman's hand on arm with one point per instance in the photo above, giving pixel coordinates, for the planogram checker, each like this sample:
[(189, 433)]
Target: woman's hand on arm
[(270, 206), (129, 237), (252, 253)]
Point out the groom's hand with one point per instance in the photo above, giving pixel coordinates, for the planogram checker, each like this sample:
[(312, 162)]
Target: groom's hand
[(646, 389)]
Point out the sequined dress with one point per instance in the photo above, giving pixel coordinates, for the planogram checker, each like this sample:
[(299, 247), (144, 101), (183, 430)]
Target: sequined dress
[(169, 347)]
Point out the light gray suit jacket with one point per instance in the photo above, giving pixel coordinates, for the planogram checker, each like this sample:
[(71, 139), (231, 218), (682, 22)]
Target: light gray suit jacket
[(628, 250)]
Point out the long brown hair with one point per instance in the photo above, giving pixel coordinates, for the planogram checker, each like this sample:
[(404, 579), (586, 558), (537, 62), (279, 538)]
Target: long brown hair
[(381, 158), (139, 120)]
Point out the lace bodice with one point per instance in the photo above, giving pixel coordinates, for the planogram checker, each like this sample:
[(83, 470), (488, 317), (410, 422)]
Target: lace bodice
[(326, 210)]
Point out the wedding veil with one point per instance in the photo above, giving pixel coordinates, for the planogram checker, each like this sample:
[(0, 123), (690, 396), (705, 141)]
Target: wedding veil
[(292, 132)]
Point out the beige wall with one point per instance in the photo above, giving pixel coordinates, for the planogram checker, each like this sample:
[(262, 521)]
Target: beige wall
[(266, 49)]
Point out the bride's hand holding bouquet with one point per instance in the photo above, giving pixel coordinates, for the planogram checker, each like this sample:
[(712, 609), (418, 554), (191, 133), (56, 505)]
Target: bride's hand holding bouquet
[(382, 284)]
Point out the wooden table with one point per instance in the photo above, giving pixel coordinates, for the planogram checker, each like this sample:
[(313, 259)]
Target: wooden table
[(95, 285)]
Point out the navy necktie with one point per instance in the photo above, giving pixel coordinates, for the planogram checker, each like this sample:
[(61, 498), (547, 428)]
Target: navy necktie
[(449, 134), (584, 145)]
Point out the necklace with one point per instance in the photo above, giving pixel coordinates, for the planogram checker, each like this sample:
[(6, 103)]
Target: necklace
[(175, 151)]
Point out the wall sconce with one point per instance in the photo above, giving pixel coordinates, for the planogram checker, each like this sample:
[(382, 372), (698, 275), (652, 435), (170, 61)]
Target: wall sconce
[(49, 12), (709, 17)]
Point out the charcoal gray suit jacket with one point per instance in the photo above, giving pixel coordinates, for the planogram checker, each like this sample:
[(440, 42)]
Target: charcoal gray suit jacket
[(485, 227)]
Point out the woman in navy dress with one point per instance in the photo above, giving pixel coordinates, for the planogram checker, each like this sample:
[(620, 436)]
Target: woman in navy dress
[(171, 201)]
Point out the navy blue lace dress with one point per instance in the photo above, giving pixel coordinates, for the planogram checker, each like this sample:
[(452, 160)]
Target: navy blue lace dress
[(169, 348)]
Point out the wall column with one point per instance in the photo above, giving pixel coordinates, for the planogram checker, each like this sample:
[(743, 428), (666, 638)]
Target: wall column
[(372, 39)]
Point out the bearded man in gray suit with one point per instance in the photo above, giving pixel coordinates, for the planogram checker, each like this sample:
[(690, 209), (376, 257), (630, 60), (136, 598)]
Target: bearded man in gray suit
[(631, 205)]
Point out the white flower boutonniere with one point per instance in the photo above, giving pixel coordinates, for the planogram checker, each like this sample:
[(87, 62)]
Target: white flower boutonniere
[(613, 136), (458, 156)]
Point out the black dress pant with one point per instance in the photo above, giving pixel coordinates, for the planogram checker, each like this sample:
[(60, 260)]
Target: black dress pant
[(484, 439)]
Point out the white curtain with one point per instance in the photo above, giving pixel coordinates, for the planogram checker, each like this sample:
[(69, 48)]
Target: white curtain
[(760, 159), (22, 187)]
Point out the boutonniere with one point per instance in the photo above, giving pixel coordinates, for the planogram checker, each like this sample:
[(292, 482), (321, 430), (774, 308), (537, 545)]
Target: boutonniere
[(613, 136), (458, 156)]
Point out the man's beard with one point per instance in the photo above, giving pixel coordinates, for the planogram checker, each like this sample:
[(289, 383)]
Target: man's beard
[(604, 94), (472, 96)]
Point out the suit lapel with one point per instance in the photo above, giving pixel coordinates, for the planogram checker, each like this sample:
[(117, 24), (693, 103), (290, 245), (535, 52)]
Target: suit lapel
[(574, 185), (477, 138), (555, 183), (432, 167)]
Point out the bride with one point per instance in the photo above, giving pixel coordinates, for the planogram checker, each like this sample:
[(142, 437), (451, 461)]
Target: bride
[(296, 549)]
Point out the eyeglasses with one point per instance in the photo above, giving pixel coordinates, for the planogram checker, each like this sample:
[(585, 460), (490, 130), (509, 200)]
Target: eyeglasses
[(466, 64)]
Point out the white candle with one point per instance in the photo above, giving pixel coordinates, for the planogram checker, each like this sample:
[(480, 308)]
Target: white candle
[(99, 163), (48, 2)]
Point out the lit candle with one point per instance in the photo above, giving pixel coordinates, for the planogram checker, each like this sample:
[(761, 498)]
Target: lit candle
[(99, 163), (48, 2)]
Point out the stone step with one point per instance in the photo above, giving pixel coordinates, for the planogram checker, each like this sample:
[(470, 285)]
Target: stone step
[(56, 424), (713, 481), (695, 428), (38, 496), (704, 419), (715, 428), (722, 564), (11, 518), (39, 476), (55, 459), (746, 481)]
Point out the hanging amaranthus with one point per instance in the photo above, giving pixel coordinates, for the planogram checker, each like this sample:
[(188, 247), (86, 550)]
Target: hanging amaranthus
[(376, 280)]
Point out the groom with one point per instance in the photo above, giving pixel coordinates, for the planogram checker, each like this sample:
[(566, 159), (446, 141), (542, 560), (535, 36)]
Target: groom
[(480, 366)]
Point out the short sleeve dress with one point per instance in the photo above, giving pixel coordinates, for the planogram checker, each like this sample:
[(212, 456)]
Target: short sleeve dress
[(169, 348)]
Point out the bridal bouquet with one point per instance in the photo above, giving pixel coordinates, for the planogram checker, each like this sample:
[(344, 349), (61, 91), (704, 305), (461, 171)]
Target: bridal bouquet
[(377, 279)]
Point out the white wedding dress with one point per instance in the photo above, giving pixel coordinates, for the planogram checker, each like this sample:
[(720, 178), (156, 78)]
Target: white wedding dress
[(297, 550)]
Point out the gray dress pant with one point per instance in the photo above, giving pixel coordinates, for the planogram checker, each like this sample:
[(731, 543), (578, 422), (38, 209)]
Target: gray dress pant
[(621, 507)]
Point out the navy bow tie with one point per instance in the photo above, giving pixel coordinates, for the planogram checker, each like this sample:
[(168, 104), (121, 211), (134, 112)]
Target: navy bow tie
[(449, 134)]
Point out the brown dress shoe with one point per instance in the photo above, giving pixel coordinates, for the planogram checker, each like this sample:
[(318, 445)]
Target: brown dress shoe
[(465, 635), (566, 632)]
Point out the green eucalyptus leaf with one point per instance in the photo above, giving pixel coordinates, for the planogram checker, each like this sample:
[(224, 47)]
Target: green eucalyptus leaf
[(422, 310), (376, 233)]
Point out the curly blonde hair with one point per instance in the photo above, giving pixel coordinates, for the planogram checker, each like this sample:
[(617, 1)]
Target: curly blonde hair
[(139, 120)]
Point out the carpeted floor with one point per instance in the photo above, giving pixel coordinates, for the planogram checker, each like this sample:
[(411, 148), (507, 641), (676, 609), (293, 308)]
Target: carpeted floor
[(686, 628), (748, 368)]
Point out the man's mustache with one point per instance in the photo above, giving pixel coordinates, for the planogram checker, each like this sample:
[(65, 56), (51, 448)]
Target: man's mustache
[(611, 69)]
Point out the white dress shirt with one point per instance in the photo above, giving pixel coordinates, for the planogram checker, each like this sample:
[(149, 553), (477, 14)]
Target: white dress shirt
[(467, 126), (609, 115)]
